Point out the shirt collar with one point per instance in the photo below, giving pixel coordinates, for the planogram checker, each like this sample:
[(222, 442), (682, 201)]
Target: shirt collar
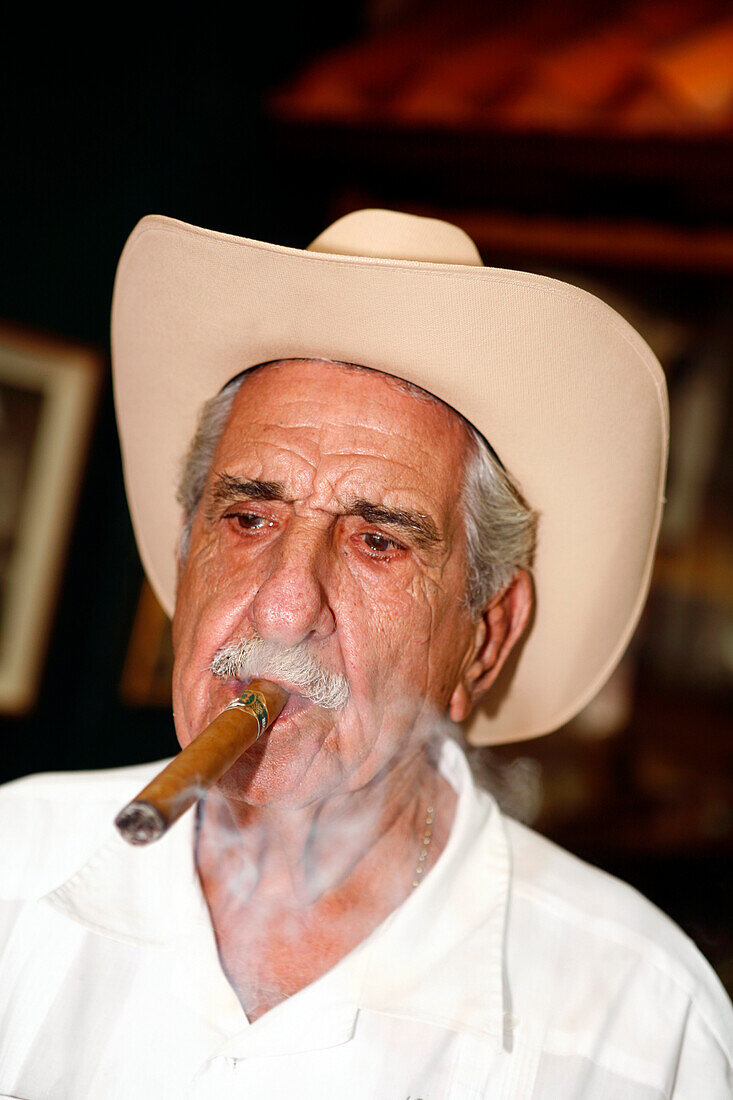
[(145, 895), (437, 958)]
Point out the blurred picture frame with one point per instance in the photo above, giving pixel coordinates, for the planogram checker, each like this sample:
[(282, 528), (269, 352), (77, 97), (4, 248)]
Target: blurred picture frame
[(48, 397)]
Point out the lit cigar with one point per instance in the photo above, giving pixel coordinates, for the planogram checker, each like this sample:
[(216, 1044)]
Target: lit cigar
[(202, 763)]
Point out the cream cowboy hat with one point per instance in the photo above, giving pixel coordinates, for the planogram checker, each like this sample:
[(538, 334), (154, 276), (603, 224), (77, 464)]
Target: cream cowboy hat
[(568, 394)]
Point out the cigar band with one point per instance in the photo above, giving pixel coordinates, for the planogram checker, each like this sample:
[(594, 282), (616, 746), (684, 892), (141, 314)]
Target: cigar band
[(254, 702)]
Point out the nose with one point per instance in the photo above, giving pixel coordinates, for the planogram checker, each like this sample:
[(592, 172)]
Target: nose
[(291, 603)]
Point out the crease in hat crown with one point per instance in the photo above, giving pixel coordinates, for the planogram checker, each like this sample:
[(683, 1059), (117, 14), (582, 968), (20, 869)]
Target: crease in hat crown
[(390, 235)]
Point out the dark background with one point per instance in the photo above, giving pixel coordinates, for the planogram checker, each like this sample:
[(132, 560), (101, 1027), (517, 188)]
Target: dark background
[(98, 134), (101, 129)]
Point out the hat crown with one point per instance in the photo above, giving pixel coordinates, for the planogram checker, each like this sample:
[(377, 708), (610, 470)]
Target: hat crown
[(389, 235)]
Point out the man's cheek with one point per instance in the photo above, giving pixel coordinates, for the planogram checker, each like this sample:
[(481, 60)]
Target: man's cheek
[(383, 652), (409, 614), (214, 602), (214, 563), (216, 578)]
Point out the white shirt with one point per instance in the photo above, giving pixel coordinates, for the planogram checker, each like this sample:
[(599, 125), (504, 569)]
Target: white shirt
[(513, 971)]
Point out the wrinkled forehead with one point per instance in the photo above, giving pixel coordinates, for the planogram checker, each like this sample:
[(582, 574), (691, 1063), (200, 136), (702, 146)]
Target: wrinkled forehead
[(325, 369), (390, 381), (333, 379), (352, 427)]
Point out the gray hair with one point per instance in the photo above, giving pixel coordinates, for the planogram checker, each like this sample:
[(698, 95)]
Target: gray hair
[(501, 528)]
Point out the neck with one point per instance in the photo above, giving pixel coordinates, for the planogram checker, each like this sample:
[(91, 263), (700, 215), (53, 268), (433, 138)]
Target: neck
[(302, 855)]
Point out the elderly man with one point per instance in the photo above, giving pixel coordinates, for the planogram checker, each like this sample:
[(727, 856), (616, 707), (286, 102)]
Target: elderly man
[(345, 914)]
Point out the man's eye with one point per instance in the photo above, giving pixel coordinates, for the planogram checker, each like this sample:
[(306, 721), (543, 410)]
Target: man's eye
[(249, 521), (379, 544)]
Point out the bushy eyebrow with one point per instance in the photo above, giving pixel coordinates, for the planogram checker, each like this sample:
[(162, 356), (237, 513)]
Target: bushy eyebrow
[(228, 489), (422, 527)]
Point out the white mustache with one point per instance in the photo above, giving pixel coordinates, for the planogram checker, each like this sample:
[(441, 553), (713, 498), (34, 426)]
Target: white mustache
[(254, 657)]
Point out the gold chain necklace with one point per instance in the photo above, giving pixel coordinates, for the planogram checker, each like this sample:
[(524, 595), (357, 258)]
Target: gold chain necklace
[(424, 847)]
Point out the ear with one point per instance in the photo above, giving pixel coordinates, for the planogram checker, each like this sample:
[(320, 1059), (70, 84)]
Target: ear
[(496, 633)]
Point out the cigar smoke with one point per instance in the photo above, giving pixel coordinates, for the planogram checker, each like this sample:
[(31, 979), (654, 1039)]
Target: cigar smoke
[(285, 907), (280, 920), (516, 785), (253, 657)]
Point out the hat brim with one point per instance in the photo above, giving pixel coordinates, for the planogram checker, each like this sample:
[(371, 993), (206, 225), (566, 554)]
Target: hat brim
[(568, 394)]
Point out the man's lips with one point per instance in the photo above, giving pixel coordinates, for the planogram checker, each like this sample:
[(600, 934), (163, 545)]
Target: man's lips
[(294, 705)]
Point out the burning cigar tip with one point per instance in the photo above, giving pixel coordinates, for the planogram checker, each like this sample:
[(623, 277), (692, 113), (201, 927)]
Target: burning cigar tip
[(140, 822)]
